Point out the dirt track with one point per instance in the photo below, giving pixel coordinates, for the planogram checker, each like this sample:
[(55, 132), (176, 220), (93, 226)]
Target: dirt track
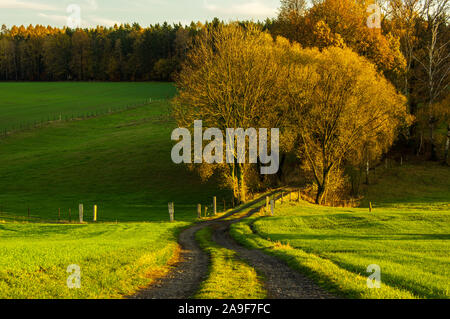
[(281, 282)]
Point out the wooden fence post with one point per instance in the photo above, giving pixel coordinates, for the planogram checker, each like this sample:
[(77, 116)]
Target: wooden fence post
[(370, 207), (215, 205), (199, 211), (80, 212), (272, 207), (267, 203), (171, 212), (95, 213)]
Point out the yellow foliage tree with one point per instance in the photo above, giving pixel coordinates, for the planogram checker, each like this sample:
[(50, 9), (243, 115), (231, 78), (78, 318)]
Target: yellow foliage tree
[(230, 80), (339, 105)]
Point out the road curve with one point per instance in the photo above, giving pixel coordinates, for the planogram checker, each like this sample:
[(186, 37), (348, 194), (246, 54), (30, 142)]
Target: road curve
[(281, 282)]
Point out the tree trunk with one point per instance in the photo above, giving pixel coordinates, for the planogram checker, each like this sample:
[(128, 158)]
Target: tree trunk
[(367, 172), (447, 145), (242, 184), (320, 193), (432, 141), (322, 187)]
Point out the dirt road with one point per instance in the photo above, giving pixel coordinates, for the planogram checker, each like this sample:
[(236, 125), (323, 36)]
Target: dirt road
[(281, 282)]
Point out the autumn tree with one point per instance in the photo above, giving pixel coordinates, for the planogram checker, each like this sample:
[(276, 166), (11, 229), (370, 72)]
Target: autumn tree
[(342, 23), (339, 106), (230, 80)]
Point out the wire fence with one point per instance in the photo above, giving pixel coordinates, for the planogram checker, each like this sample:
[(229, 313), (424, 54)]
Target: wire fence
[(73, 116)]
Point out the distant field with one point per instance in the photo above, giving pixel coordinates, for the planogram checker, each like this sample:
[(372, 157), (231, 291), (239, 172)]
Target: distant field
[(25, 103), (121, 162), (408, 239)]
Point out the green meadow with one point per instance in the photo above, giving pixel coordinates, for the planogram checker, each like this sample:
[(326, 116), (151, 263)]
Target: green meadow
[(24, 104), (409, 238), (118, 161), (114, 259)]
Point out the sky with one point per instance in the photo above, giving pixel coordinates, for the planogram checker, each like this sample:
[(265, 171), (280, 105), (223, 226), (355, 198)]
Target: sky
[(109, 12)]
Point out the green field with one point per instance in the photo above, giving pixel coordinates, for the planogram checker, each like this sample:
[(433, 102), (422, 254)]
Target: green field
[(24, 104), (120, 162), (114, 259), (408, 239)]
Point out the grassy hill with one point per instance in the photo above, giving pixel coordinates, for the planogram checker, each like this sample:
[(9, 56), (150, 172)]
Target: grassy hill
[(407, 235), (23, 103), (121, 162)]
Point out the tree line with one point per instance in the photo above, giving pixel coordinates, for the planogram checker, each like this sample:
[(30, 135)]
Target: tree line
[(127, 52)]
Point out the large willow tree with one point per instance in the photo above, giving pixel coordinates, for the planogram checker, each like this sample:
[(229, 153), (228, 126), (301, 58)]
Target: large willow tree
[(340, 106), (231, 79)]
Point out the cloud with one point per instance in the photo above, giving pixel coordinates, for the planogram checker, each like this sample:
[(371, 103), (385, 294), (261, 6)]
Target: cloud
[(254, 8), (17, 4), (54, 17), (93, 4), (102, 21)]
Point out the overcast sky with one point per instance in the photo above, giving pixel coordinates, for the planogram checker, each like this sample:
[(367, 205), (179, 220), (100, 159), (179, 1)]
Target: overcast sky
[(145, 12)]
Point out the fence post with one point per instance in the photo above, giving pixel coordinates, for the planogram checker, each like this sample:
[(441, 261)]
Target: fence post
[(370, 207), (199, 211), (171, 212), (206, 211), (215, 205), (272, 207), (80, 212), (267, 203), (95, 213)]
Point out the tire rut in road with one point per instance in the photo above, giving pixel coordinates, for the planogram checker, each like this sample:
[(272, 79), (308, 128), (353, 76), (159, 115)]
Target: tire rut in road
[(187, 275), (281, 281)]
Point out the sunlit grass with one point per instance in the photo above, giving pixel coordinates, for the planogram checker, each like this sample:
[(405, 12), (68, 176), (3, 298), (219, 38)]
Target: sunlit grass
[(115, 259), (411, 243), (229, 277)]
